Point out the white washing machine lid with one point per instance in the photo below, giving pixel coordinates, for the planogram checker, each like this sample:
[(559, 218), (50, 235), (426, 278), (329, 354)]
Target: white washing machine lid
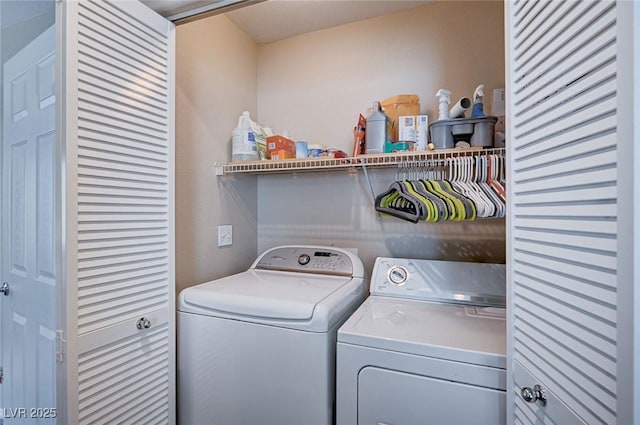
[(475, 335), (263, 294)]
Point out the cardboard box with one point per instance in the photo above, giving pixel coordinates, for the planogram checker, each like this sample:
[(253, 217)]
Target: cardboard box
[(413, 128), (282, 154), (422, 132), (400, 105), (407, 128), (278, 143)]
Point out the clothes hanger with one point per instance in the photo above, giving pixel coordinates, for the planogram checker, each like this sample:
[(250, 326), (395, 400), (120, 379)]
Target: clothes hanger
[(430, 202), (452, 209), (431, 212), (440, 207), (423, 191), (399, 204), (492, 175), (481, 187), (460, 184), (457, 207), (474, 172), (469, 204), (490, 191)]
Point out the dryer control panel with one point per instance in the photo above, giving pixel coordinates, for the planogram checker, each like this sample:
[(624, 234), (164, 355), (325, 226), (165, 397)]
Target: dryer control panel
[(318, 260), (479, 284)]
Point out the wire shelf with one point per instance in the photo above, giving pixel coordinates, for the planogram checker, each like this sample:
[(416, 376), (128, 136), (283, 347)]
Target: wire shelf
[(331, 164)]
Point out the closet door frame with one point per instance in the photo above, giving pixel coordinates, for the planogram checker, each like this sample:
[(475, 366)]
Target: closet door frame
[(628, 114), (63, 377), (69, 201)]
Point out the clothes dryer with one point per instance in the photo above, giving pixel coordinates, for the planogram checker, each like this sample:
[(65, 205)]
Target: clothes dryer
[(258, 347), (427, 347)]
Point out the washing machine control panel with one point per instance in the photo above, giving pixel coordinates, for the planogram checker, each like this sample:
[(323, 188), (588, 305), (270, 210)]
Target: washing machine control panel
[(450, 281), (307, 260)]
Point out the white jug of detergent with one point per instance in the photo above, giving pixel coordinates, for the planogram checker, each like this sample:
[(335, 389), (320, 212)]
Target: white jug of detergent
[(378, 131), (243, 141)]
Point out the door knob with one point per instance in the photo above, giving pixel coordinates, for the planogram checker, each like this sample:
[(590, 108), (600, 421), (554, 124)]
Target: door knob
[(143, 323), (5, 289), (534, 395)]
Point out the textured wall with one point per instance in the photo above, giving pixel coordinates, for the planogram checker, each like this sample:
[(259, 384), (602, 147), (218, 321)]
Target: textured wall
[(216, 81)]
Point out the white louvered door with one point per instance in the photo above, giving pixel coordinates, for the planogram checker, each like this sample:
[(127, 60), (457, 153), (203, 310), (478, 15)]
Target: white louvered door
[(562, 253), (119, 213)]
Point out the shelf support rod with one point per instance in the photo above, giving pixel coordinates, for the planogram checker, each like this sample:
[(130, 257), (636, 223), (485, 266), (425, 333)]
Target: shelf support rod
[(366, 175)]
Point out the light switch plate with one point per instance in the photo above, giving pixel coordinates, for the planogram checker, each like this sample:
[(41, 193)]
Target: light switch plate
[(225, 235)]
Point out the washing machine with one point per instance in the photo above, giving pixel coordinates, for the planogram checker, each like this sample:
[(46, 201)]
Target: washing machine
[(258, 347), (428, 346)]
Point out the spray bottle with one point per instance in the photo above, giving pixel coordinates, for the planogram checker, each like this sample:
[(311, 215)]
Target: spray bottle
[(444, 99), (243, 142), (478, 106)]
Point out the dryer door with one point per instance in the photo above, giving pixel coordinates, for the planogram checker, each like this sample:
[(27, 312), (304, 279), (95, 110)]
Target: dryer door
[(388, 397)]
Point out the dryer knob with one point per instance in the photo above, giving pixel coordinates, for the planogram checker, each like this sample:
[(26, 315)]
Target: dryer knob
[(398, 275), (304, 259)]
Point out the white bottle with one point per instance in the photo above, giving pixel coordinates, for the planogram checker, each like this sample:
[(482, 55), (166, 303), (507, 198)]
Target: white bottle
[(243, 141)]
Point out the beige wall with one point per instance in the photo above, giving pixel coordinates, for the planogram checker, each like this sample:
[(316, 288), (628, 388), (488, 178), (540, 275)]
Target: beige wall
[(316, 84), (215, 81)]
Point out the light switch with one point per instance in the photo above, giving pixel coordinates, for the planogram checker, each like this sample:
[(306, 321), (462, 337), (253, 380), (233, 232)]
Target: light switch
[(225, 235)]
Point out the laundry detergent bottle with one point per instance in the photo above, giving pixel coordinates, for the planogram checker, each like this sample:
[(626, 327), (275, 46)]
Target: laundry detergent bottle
[(243, 141), (379, 130)]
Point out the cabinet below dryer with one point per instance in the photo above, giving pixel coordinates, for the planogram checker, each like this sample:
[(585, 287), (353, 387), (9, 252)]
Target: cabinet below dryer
[(439, 400)]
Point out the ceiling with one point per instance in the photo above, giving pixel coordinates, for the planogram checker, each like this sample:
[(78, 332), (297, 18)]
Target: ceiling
[(264, 21), (273, 20)]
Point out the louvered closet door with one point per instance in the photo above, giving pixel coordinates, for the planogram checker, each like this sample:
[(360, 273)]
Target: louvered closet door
[(120, 250), (562, 227)]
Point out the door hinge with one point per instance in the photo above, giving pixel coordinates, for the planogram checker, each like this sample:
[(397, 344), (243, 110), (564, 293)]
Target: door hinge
[(61, 346), (1, 375)]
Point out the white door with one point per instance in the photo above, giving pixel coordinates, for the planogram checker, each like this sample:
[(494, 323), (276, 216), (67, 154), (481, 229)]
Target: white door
[(28, 233), (119, 240), (566, 98)]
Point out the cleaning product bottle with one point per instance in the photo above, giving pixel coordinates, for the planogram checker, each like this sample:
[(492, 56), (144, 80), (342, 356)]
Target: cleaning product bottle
[(379, 130), (243, 142), (478, 106), (444, 99)]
